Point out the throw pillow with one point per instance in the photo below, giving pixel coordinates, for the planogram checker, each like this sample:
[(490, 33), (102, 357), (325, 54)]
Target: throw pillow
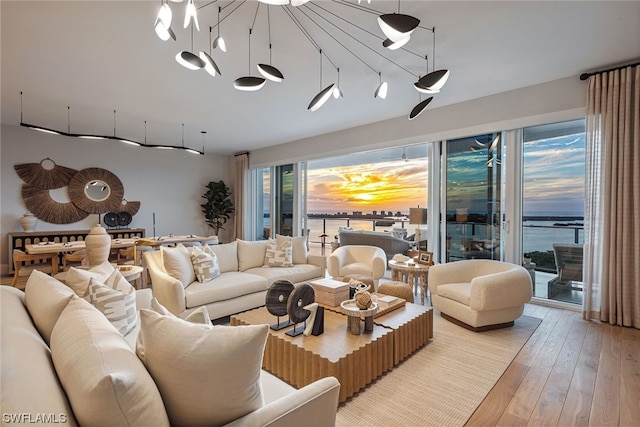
[(45, 298), (251, 254), (218, 377), (298, 247), (205, 265), (177, 264), (105, 382), (78, 279), (227, 254), (278, 255), (119, 307), (200, 315)]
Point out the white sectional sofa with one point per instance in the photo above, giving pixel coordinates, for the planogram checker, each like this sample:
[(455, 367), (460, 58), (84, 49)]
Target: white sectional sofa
[(242, 284), (64, 363)]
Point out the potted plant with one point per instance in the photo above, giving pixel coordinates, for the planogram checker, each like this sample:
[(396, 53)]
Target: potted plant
[(218, 207)]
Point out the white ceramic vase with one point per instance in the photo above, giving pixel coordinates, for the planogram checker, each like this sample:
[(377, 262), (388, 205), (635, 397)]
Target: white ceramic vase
[(98, 244), (28, 222)]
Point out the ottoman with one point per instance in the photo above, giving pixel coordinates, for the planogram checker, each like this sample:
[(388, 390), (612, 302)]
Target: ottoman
[(396, 289)]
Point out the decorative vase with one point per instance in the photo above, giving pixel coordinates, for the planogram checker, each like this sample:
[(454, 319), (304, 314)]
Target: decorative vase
[(28, 222), (98, 244)]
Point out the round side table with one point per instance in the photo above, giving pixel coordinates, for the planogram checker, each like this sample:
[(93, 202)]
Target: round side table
[(409, 273)]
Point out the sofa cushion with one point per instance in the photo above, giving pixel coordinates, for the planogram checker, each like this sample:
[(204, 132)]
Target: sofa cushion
[(460, 292), (297, 273), (78, 279), (29, 381), (218, 377), (114, 388), (251, 254), (205, 265), (227, 254), (177, 263), (119, 306), (278, 254), (228, 285), (45, 298), (299, 248)]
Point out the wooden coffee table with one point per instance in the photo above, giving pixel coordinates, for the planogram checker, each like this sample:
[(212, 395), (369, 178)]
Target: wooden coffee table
[(355, 360)]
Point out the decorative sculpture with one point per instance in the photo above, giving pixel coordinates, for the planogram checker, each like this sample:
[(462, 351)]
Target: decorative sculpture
[(301, 297), (276, 302)]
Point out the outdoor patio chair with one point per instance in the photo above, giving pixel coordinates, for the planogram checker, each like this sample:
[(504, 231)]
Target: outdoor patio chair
[(568, 258)]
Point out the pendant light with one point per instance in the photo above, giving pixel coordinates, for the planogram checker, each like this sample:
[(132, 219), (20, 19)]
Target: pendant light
[(434, 81), (419, 108), (337, 92), (126, 141), (300, 2), (381, 91), (267, 70), (249, 83), (191, 15), (391, 45), (210, 65), (163, 23), (219, 41), (275, 2), (188, 59), (322, 96), (397, 26)]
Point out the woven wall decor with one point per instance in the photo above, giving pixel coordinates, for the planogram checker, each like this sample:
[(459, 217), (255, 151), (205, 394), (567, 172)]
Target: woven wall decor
[(45, 175), (43, 207)]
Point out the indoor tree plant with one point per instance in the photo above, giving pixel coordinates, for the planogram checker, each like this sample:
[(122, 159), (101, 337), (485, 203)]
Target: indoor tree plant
[(218, 207)]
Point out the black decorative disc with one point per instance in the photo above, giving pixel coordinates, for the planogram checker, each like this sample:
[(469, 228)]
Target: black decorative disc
[(278, 296), (110, 219), (124, 218), (301, 296)]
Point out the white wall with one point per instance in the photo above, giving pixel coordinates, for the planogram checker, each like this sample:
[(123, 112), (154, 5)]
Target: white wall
[(554, 101), (169, 183)]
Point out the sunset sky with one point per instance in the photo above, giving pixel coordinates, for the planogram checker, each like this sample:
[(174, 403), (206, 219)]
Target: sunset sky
[(553, 179)]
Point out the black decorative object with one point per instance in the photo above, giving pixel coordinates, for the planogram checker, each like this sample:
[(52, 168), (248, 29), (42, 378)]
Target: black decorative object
[(276, 302), (124, 219), (318, 323), (301, 296), (110, 219)]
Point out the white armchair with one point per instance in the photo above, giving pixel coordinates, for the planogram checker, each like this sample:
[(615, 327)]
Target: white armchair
[(479, 294), (357, 259)]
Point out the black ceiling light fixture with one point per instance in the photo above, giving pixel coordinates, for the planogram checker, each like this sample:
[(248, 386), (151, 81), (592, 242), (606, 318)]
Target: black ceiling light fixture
[(397, 26), (322, 96), (210, 65), (249, 83), (434, 81), (188, 59), (267, 70)]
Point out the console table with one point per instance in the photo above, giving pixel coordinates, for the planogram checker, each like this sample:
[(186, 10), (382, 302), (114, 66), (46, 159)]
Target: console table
[(22, 239)]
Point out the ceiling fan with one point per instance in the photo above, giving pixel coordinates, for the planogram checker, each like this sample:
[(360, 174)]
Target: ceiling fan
[(402, 157)]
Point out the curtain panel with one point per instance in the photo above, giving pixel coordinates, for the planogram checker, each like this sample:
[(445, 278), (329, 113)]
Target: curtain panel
[(242, 168), (612, 202)]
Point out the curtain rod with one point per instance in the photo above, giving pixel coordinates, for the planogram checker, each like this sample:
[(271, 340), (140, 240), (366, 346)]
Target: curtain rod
[(585, 76)]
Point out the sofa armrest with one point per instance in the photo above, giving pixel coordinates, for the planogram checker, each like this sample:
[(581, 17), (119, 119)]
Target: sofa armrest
[(313, 405), (451, 272), (167, 289), (317, 260), (335, 261)]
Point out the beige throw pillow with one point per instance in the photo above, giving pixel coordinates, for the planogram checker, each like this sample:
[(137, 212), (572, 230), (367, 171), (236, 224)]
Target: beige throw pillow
[(78, 279), (45, 298), (177, 264), (218, 377), (105, 382), (278, 254), (205, 265), (199, 315), (117, 306)]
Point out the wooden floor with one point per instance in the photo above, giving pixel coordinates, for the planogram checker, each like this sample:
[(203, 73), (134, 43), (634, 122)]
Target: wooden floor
[(570, 373)]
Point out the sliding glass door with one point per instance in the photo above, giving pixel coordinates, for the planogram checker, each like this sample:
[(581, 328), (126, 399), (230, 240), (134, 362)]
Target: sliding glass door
[(472, 211)]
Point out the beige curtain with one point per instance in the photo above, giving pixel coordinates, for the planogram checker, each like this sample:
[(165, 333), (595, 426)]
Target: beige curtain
[(612, 214), (242, 169)]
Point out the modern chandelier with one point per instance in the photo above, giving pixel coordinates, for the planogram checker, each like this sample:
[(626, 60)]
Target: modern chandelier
[(396, 28)]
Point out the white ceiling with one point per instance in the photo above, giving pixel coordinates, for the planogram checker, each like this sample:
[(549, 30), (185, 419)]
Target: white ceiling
[(97, 57)]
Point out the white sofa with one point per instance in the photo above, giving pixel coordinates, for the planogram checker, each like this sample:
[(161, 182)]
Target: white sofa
[(480, 294), (36, 390), (357, 259), (242, 284)]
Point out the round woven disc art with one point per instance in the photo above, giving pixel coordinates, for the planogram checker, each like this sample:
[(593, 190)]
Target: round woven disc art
[(278, 296)]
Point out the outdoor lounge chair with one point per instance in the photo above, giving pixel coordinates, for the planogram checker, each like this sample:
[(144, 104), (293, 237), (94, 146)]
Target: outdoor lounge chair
[(568, 258)]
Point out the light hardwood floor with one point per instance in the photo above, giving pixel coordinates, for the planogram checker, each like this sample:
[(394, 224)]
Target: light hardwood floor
[(570, 373)]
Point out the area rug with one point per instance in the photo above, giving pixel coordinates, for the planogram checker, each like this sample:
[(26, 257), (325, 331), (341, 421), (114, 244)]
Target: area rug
[(443, 383)]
